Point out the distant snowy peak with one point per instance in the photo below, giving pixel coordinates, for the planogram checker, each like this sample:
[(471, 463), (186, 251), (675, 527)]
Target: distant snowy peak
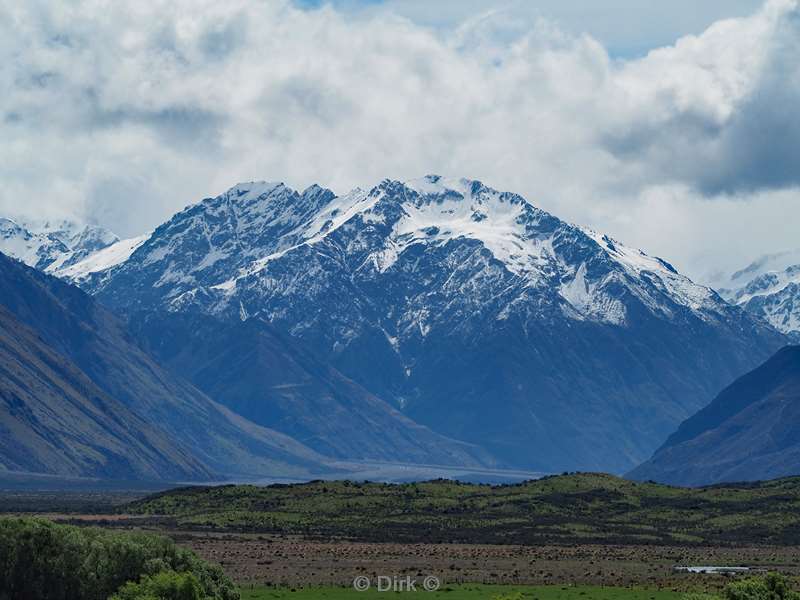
[(778, 261), (52, 246), (770, 288), (34, 249)]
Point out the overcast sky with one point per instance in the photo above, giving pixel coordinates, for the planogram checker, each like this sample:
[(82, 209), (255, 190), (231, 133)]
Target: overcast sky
[(673, 128)]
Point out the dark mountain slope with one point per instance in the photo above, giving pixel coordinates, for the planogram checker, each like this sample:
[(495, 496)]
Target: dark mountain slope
[(751, 431), (54, 420), (271, 380), (74, 325)]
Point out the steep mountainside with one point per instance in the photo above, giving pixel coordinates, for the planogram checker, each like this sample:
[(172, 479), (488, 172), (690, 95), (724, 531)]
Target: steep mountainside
[(770, 288), (270, 379), (751, 431), (472, 311), (89, 337), (55, 420)]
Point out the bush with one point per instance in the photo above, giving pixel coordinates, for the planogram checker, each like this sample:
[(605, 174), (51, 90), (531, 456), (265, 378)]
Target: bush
[(167, 585), (40, 560), (771, 587)]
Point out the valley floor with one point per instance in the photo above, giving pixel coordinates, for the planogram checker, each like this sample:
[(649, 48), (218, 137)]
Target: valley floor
[(293, 562), (586, 530)]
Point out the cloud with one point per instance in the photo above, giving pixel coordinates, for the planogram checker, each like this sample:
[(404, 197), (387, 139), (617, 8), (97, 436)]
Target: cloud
[(124, 112), (721, 113)]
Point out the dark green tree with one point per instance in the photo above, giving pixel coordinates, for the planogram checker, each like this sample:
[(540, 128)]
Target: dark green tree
[(40, 560)]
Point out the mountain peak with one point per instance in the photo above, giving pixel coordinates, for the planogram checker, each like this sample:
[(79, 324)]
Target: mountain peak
[(462, 188), (253, 189)]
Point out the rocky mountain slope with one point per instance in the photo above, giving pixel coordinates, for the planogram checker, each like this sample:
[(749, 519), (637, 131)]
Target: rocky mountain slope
[(751, 431), (98, 347), (470, 310), (270, 379)]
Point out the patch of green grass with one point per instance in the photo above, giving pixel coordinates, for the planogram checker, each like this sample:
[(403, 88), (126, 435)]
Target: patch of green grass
[(466, 592)]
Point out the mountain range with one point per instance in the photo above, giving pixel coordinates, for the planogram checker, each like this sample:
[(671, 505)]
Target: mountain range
[(509, 336), (434, 321)]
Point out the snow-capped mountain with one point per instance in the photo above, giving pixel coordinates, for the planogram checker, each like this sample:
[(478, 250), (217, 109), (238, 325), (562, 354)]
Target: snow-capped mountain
[(231, 242), (770, 288), (52, 246), (473, 311)]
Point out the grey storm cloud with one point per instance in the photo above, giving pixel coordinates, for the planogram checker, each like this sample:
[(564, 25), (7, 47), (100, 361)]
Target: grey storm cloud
[(123, 112)]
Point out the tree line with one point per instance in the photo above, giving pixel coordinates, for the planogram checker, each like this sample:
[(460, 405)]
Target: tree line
[(41, 560)]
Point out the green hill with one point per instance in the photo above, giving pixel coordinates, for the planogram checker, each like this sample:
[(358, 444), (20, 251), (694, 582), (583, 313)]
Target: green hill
[(578, 508)]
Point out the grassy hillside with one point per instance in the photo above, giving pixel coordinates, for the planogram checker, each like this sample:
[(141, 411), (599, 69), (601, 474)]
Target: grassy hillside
[(566, 509)]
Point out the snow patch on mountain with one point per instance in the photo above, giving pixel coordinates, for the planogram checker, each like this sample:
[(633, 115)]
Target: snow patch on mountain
[(660, 273), (448, 209), (102, 260), (589, 301)]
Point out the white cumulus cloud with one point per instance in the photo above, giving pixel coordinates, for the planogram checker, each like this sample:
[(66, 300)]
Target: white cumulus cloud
[(123, 112)]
